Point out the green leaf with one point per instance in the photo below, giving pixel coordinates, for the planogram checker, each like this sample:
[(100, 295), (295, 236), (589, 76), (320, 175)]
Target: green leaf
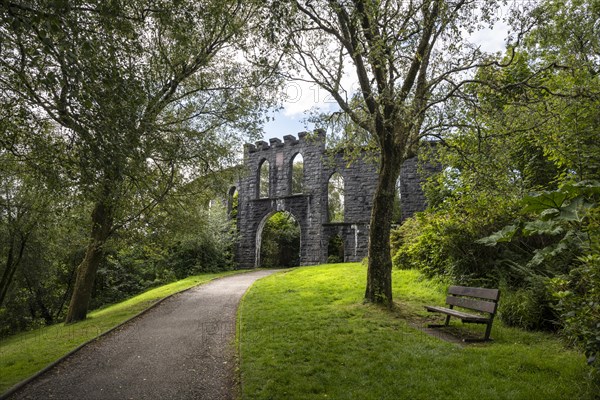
[(586, 188), (504, 235), (546, 253), (540, 227), (549, 213), (544, 201), (575, 211)]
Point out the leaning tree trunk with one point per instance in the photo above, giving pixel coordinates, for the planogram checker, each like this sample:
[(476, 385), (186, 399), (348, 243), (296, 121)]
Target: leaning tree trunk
[(102, 220), (379, 273)]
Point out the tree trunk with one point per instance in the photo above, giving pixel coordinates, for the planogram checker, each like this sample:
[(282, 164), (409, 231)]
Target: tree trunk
[(379, 273), (12, 264), (102, 220)]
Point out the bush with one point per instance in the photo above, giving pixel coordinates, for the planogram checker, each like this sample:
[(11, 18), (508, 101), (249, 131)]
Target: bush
[(334, 260), (578, 295), (443, 242), (127, 271), (131, 268), (420, 243), (527, 308), (194, 256)]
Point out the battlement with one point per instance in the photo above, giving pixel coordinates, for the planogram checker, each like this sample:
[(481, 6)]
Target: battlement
[(315, 138)]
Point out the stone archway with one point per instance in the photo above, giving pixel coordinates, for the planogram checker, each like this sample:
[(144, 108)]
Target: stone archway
[(310, 207), (260, 231)]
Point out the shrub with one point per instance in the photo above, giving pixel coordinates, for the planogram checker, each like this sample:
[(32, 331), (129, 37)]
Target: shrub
[(443, 242), (527, 308), (578, 295), (198, 255), (561, 228)]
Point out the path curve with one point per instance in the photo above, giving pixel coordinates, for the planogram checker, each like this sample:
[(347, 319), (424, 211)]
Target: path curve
[(181, 349)]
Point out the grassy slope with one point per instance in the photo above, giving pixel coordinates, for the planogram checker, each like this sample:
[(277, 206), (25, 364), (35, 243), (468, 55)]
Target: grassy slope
[(305, 334), (24, 354)]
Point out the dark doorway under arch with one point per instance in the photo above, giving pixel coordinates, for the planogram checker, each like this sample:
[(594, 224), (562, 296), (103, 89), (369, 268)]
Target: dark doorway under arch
[(279, 241), (335, 250)]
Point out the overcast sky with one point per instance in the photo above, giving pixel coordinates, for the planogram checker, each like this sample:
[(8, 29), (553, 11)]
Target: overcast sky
[(303, 96)]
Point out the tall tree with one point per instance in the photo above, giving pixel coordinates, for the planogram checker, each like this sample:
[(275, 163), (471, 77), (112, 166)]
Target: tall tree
[(26, 194), (409, 58), (567, 38), (142, 94)]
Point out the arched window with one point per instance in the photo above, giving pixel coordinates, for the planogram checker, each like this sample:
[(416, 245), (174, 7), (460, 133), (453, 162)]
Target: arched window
[(297, 174), (335, 198), (263, 180)]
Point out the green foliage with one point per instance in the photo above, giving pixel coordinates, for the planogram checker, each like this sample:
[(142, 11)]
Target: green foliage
[(203, 254), (297, 174), (530, 139), (40, 239), (578, 296), (129, 270), (567, 263), (527, 307), (335, 198), (520, 179), (264, 180), (180, 237), (560, 216), (137, 100), (456, 239), (280, 244), (335, 250), (442, 242)]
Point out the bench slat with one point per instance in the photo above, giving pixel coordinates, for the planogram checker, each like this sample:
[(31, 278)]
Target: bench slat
[(483, 293), (479, 305), (458, 314)]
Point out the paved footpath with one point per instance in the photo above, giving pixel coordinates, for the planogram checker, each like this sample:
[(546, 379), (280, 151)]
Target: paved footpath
[(181, 349)]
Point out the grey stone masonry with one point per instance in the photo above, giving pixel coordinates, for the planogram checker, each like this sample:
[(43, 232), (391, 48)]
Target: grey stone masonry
[(309, 208), (412, 197)]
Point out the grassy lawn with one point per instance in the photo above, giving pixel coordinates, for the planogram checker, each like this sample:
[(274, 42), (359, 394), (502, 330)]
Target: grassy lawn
[(305, 334), (24, 354)]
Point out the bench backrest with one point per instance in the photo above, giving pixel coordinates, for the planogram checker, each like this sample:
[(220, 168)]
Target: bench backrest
[(473, 298)]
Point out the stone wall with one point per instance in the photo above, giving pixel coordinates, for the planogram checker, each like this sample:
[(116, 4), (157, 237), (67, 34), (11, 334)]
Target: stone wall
[(310, 207)]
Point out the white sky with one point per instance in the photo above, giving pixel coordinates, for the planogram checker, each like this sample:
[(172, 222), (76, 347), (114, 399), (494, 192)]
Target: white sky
[(303, 96)]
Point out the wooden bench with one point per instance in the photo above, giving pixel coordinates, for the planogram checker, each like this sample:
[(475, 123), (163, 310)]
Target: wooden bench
[(470, 298)]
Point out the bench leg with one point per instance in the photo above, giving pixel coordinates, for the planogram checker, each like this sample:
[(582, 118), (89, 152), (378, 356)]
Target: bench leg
[(488, 330), (447, 320), (440, 325), (486, 338)]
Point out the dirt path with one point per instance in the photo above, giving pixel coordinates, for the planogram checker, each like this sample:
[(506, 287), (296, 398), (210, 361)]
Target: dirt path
[(182, 349)]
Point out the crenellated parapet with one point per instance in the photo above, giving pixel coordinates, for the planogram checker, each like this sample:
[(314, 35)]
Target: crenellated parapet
[(311, 139)]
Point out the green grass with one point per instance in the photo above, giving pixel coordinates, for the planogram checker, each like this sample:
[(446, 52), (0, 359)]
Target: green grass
[(306, 334), (24, 354)]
